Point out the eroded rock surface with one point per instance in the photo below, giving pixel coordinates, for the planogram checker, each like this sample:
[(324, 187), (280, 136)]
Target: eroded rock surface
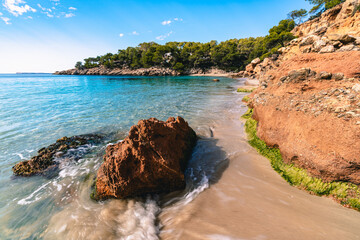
[(313, 118), (152, 159), (46, 156)]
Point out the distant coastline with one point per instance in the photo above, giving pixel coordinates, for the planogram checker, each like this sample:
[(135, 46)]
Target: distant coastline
[(31, 73), (152, 71)]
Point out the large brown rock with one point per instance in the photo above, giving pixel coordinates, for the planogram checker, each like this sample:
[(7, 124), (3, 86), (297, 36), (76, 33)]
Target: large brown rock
[(152, 159)]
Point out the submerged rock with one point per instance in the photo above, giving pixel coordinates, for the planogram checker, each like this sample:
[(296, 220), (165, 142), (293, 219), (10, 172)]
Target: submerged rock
[(152, 159), (45, 158)]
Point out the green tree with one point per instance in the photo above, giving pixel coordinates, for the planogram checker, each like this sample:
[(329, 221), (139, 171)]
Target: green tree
[(230, 55), (179, 67), (298, 15), (323, 5), (79, 65)]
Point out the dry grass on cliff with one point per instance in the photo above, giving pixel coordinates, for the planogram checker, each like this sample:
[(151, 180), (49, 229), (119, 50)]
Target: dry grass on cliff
[(346, 193)]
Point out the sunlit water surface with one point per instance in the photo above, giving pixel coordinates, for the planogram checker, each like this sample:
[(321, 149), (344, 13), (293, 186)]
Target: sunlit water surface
[(36, 110)]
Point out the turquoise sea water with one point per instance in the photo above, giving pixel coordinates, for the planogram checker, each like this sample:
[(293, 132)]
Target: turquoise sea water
[(35, 110)]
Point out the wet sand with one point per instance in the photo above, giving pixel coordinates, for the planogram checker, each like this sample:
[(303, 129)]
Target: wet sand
[(251, 201)]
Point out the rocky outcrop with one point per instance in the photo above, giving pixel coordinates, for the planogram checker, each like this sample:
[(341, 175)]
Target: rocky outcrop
[(152, 159), (153, 71), (336, 31), (342, 19), (314, 119), (47, 158), (308, 104)]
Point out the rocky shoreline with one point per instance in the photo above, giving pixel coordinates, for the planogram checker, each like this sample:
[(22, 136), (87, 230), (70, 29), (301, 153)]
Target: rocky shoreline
[(308, 102), (152, 71)]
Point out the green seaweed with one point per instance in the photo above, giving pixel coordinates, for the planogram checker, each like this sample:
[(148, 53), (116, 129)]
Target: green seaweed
[(245, 90), (246, 99), (346, 193), (93, 194)]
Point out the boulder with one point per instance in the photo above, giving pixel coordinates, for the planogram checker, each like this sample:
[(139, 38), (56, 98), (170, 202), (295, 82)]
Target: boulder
[(346, 39), (347, 48), (318, 45), (307, 49), (45, 160), (151, 159), (324, 76), (320, 31), (249, 68), (256, 61), (334, 37), (299, 75), (338, 76), (309, 40), (327, 49)]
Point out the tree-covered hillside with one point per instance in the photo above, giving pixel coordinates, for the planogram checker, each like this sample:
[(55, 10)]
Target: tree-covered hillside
[(231, 55)]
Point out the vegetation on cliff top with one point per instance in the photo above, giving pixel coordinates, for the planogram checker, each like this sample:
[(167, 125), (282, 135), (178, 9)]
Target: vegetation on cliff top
[(346, 193), (231, 55)]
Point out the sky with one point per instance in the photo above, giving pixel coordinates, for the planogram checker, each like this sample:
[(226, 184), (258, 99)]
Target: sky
[(51, 35)]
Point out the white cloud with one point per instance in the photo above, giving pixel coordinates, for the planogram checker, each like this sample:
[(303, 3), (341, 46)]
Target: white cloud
[(42, 8), (69, 15), (49, 15), (135, 33), (121, 34), (162, 37), (6, 20), (72, 8), (17, 7), (168, 22)]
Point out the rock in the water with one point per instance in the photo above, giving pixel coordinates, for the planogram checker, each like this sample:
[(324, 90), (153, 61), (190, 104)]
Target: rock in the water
[(216, 80), (152, 159), (45, 158)]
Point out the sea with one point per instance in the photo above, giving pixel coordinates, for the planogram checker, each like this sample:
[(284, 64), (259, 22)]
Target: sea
[(232, 193)]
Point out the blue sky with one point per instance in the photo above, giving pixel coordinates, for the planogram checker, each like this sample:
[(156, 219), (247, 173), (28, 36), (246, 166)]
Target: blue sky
[(50, 35)]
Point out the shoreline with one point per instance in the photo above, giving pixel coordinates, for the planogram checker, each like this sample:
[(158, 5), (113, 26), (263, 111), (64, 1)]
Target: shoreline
[(251, 199), (152, 71)]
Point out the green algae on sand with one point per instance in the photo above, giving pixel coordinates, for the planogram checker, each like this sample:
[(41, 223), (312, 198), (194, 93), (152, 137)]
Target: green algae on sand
[(347, 194)]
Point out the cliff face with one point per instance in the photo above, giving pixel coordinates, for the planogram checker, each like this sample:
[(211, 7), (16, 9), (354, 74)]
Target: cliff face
[(342, 19), (308, 104)]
